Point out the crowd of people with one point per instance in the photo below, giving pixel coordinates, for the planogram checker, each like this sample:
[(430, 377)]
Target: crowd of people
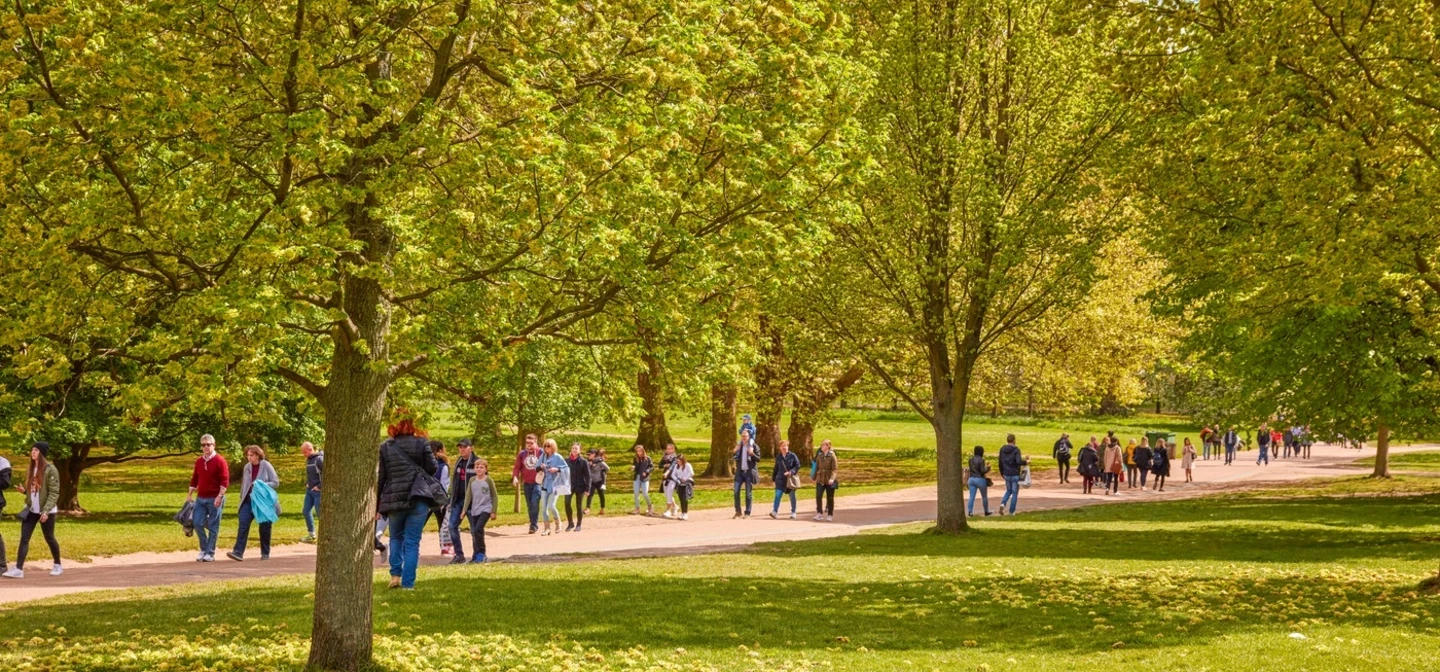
[(416, 482)]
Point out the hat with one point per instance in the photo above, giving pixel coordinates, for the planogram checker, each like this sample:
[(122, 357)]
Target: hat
[(745, 417), (594, 451), (43, 447), (464, 442)]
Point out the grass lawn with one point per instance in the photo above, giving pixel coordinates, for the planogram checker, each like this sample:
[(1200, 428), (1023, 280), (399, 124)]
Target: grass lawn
[(130, 505), (1210, 584), (1422, 461)]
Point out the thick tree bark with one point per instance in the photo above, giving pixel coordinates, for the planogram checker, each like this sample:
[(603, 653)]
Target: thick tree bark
[(70, 470), (654, 433), (1382, 452), (772, 386), (811, 402), (722, 429)]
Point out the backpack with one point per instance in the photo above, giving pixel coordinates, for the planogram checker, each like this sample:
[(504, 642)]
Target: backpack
[(1063, 452)]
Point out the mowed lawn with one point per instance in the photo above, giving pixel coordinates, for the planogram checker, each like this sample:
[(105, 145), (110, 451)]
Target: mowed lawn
[(130, 506), (1255, 581)]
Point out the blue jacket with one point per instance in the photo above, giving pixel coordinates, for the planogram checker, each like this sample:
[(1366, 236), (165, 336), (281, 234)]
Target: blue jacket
[(551, 480), (783, 463), (264, 502)]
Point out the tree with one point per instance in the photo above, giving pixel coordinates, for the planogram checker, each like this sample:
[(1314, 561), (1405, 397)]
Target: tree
[(1293, 145), (345, 195), (983, 210)]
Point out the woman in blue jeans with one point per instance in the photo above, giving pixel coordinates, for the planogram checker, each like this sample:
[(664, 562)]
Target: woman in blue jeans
[(977, 470), (404, 458)]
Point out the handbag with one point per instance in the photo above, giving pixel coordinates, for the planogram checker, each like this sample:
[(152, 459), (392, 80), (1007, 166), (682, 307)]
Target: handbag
[(792, 482), (427, 487), (562, 485)]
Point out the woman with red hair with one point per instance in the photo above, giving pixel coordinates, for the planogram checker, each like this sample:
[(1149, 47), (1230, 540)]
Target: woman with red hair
[(404, 459)]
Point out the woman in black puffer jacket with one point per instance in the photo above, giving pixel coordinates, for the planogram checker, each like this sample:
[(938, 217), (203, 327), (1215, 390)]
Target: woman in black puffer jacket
[(404, 458)]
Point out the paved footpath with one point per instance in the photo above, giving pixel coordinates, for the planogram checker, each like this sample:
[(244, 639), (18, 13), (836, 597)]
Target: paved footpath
[(710, 530)]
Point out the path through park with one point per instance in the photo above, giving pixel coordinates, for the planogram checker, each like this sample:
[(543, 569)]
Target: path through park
[(619, 535)]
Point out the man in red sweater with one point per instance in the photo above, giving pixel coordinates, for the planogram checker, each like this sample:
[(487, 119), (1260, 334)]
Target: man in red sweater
[(524, 474), (209, 480)]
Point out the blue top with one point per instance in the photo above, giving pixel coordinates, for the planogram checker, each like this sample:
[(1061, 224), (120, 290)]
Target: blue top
[(556, 462)]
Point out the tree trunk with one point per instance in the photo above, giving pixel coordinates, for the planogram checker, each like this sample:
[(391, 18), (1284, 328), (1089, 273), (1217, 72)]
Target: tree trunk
[(654, 432), (771, 388), (722, 429), (1382, 452), (354, 403), (950, 496), (810, 403), (801, 435), (71, 468)]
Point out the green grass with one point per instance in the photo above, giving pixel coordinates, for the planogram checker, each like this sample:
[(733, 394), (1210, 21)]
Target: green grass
[(1217, 583), (130, 505), (1422, 461)]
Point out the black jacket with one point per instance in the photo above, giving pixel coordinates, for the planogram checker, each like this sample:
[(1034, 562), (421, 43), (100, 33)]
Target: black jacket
[(1062, 442), (314, 471), (579, 474), (643, 466), (977, 467), (401, 460), (784, 463), (1143, 455), (1089, 461), (1010, 460)]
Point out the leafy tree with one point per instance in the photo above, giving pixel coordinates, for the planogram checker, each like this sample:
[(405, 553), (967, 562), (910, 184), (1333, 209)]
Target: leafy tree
[(983, 210), (344, 195)]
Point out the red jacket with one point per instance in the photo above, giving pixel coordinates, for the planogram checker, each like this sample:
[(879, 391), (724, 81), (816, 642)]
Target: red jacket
[(209, 476), (522, 472)]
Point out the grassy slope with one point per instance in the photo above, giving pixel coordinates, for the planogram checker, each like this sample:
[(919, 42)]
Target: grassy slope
[(130, 505), (1214, 584)]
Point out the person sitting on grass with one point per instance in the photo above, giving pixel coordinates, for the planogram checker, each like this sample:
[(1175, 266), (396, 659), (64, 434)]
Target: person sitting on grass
[(481, 505)]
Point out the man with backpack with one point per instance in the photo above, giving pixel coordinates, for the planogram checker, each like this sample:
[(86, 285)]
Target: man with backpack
[(1061, 453)]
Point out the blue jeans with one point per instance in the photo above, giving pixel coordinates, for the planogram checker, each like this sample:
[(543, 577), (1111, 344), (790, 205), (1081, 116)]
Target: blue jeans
[(242, 534), (532, 504), (642, 489), (743, 479), (1012, 492), (1264, 455), (550, 511), (405, 530), (312, 505), (979, 484), (780, 496), (455, 514), (207, 523)]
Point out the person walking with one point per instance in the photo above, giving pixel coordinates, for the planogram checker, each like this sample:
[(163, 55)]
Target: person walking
[(457, 491), (827, 475), (684, 475), (556, 482), (314, 476), (1011, 463), (1232, 443), (1161, 465), (599, 473), (579, 487), (7, 476), (1306, 440), (1144, 456), (256, 470), (1130, 464), (1205, 434), (1061, 453), (481, 505), (42, 495), (667, 487), (642, 465), (404, 458), (1187, 460), (1089, 465), (209, 480), (1113, 465), (976, 471), (1262, 439), (787, 467), (441, 510), (525, 474), (747, 457)]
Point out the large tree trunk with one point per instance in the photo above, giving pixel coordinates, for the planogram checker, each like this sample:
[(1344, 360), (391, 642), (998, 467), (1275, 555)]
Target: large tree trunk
[(654, 432), (354, 403), (771, 388), (950, 495), (1382, 452), (722, 429), (801, 435), (810, 403), (70, 470)]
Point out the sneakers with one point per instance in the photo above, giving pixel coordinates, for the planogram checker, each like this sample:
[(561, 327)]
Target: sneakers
[(772, 515), (307, 539), (570, 527), (819, 516), (57, 570), (15, 573), (200, 557), (534, 529), (577, 528), (829, 519), (747, 514), (235, 556), (684, 516), (667, 514), (478, 560), (209, 557), (457, 560), (792, 515)]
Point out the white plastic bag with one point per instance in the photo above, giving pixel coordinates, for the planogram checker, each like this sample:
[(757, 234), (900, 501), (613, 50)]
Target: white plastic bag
[(1025, 476)]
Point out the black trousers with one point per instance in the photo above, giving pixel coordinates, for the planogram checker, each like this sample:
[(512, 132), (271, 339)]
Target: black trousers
[(590, 497), (579, 511), (825, 499), (1064, 463), (477, 533), (27, 527), (680, 494)]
